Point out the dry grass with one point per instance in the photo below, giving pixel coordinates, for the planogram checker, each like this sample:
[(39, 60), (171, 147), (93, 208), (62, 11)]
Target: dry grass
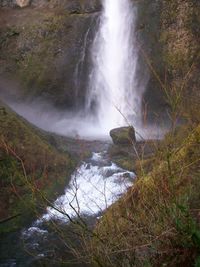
[(154, 224), (29, 168)]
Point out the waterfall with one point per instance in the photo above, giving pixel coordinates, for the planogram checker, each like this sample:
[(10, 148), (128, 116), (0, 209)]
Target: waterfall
[(113, 95), (115, 84)]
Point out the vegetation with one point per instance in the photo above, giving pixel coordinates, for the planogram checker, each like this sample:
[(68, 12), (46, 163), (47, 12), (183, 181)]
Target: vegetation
[(30, 170), (157, 222)]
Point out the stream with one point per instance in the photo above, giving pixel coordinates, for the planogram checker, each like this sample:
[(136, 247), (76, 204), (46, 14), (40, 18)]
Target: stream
[(113, 99), (94, 186)]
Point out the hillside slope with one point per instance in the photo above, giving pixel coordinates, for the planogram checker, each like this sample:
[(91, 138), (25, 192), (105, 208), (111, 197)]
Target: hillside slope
[(157, 223), (30, 170)]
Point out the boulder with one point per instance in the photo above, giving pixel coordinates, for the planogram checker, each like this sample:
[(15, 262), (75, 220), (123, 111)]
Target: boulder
[(123, 135)]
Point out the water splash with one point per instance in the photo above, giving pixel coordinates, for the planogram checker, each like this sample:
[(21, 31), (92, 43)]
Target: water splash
[(93, 188), (114, 94), (116, 82)]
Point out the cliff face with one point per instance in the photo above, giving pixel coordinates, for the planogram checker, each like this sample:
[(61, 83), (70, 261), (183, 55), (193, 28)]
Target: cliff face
[(170, 37), (73, 5), (45, 47), (180, 38)]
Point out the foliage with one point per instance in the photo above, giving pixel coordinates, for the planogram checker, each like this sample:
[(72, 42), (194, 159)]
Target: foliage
[(30, 169), (156, 221)]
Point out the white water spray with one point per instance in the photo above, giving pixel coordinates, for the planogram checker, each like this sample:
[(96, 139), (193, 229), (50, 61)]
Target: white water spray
[(113, 90)]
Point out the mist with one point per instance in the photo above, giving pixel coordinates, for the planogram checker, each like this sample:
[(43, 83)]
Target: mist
[(74, 124)]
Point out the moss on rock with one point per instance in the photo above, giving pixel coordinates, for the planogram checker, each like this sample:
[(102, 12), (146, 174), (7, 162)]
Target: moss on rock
[(123, 135), (180, 37), (40, 49)]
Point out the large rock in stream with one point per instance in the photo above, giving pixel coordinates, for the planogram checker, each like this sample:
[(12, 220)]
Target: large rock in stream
[(123, 135), (126, 151)]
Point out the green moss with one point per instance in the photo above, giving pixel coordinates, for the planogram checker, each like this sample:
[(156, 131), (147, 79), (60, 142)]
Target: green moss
[(31, 170), (126, 163), (37, 66), (155, 221), (179, 38), (31, 48)]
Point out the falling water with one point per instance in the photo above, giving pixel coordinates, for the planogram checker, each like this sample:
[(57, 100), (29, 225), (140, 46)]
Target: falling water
[(113, 94), (115, 84)]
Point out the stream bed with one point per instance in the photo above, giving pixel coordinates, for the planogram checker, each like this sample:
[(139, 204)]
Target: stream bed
[(48, 241)]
